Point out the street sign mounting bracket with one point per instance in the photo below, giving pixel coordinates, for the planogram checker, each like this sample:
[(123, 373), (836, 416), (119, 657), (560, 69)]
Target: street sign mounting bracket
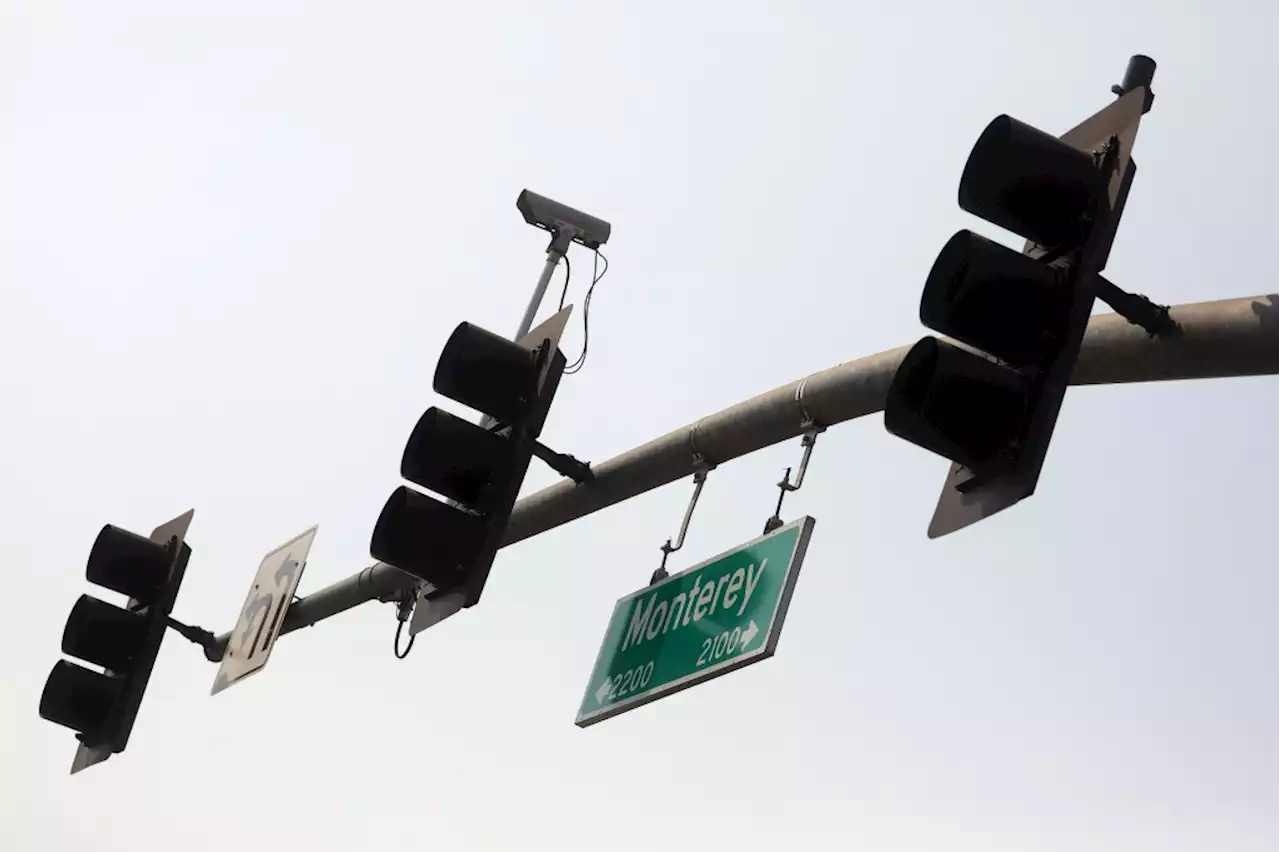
[(811, 433), (699, 480), (699, 460)]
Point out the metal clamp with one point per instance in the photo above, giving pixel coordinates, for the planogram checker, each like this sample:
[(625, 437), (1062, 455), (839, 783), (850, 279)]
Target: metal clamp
[(699, 460), (807, 420), (699, 479)]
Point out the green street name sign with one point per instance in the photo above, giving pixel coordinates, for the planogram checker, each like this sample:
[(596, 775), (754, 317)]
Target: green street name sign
[(715, 617)]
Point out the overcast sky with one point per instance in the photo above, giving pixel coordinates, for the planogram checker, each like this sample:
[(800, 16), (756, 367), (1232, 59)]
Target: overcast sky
[(234, 237)]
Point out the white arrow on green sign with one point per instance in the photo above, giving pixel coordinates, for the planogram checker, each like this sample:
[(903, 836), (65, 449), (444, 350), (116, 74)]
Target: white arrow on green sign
[(715, 617)]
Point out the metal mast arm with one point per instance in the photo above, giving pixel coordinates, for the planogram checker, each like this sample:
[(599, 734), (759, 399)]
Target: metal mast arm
[(1219, 339)]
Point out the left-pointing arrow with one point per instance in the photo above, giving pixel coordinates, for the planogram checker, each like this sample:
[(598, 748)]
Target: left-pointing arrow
[(603, 692)]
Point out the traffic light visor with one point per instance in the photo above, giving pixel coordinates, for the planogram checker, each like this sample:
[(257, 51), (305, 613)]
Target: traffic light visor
[(104, 634), (956, 404), (996, 299), (431, 540), (1030, 183), (127, 563), (487, 372), (79, 698), (455, 458)]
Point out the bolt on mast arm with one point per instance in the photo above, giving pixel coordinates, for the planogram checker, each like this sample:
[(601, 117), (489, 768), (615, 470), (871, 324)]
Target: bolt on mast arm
[(1219, 339)]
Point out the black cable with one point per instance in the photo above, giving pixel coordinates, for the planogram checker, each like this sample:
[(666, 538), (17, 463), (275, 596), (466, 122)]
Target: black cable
[(567, 272), (407, 648), (404, 609), (596, 275)]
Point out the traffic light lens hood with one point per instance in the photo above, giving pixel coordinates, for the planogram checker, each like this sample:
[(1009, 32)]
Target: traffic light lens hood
[(956, 404), (455, 458), (487, 372), (429, 539), (104, 634), (79, 699), (128, 563), (1030, 183), (995, 299)]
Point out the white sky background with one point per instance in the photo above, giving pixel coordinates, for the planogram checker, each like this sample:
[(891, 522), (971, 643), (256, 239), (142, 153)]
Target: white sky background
[(233, 239)]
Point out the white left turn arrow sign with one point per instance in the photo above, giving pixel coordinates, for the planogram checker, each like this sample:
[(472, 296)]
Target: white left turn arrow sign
[(263, 612)]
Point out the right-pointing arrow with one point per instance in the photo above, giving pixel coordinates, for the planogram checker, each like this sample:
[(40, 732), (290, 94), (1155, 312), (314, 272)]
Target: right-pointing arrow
[(749, 634)]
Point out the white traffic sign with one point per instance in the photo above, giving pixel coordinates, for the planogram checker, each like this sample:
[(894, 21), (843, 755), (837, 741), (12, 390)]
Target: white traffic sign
[(272, 591)]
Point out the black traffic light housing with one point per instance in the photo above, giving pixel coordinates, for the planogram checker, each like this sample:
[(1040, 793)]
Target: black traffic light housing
[(478, 468), (101, 706), (989, 401)]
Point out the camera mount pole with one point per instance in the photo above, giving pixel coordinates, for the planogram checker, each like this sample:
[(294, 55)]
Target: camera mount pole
[(559, 245)]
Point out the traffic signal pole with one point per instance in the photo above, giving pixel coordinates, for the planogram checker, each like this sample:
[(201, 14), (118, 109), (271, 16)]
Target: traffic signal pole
[(1218, 339)]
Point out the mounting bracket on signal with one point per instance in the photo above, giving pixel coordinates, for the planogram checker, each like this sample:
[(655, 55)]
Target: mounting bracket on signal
[(1138, 309), (564, 464), (204, 638)]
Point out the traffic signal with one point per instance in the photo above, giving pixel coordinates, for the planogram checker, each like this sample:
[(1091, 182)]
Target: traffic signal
[(990, 405), (101, 706), (478, 468)]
